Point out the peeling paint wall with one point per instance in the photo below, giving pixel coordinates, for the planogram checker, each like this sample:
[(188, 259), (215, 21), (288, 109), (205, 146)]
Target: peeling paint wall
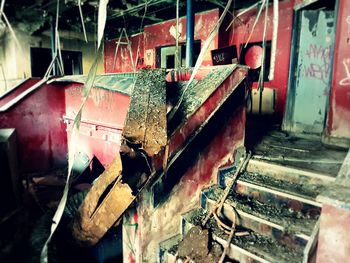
[(158, 35), (123, 62), (313, 72), (239, 34), (338, 125), (102, 123), (333, 242)]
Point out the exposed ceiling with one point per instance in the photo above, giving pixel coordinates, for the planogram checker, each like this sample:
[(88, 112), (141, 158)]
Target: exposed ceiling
[(34, 16)]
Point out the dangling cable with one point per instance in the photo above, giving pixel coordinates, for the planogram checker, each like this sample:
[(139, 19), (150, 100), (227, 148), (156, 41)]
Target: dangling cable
[(82, 20), (262, 70), (138, 44), (117, 49), (255, 23)]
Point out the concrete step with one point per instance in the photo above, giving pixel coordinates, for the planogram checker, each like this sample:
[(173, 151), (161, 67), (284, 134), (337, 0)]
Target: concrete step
[(297, 197), (251, 248), (288, 173), (168, 249), (278, 222)]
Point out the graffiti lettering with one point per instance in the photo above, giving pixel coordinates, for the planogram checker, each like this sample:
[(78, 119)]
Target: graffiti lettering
[(318, 66), (346, 81), (219, 57), (348, 20), (318, 71), (319, 52)]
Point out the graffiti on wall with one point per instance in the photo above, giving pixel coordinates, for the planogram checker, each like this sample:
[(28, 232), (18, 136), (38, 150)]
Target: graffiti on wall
[(319, 66), (346, 61), (348, 20), (346, 81)]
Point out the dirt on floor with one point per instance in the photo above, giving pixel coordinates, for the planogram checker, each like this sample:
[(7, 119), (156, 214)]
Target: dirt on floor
[(197, 247)]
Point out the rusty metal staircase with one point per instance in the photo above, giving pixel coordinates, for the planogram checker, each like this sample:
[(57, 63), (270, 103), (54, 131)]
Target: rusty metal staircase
[(276, 205)]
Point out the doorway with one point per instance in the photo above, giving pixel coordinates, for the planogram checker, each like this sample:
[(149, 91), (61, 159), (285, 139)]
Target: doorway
[(311, 70), (41, 59)]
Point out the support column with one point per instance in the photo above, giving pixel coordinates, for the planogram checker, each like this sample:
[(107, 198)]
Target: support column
[(189, 33)]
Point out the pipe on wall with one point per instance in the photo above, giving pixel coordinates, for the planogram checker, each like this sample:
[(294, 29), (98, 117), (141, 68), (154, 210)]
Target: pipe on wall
[(189, 33)]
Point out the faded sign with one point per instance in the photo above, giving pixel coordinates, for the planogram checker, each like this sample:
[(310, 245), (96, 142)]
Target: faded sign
[(149, 57)]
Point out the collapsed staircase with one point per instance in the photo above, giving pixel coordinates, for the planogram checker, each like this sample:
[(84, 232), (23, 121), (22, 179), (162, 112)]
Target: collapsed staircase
[(276, 204)]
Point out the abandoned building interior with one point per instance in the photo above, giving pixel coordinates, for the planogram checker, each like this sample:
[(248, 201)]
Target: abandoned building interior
[(174, 131)]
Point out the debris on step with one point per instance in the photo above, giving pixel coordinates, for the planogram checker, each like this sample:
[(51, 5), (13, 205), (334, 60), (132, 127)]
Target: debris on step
[(195, 246), (292, 221), (309, 190), (254, 243)]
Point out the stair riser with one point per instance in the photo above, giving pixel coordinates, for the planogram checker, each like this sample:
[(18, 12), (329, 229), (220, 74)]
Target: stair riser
[(166, 251), (259, 225), (168, 257), (235, 253), (267, 195)]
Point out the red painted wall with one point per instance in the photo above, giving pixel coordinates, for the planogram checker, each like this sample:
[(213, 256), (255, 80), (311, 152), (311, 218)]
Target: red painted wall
[(7, 97), (103, 119), (41, 134), (239, 35), (39, 120), (158, 35), (338, 124), (123, 61)]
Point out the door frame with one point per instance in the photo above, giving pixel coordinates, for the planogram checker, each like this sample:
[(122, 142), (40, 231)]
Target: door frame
[(287, 123)]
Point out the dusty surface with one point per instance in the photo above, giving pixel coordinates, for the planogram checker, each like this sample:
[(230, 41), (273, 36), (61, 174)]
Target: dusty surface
[(295, 222), (302, 152), (255, 243), (305, 190), (197, 247), (145, 124), (196, 94)]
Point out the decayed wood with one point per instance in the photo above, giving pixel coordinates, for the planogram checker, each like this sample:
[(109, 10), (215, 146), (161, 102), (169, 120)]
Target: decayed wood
[(94, 218), (145, 125), (145, 131)]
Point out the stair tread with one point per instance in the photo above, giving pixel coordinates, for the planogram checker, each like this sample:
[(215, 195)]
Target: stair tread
[(256, 159), (307, 191), (304, 153), (254, 243), (294, 222)]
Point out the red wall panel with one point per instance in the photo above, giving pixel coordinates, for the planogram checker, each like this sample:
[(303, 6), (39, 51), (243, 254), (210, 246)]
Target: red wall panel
[(123, 62), (42, 139), (158, 35), (103, 119), (239, 35), (338, 124)]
